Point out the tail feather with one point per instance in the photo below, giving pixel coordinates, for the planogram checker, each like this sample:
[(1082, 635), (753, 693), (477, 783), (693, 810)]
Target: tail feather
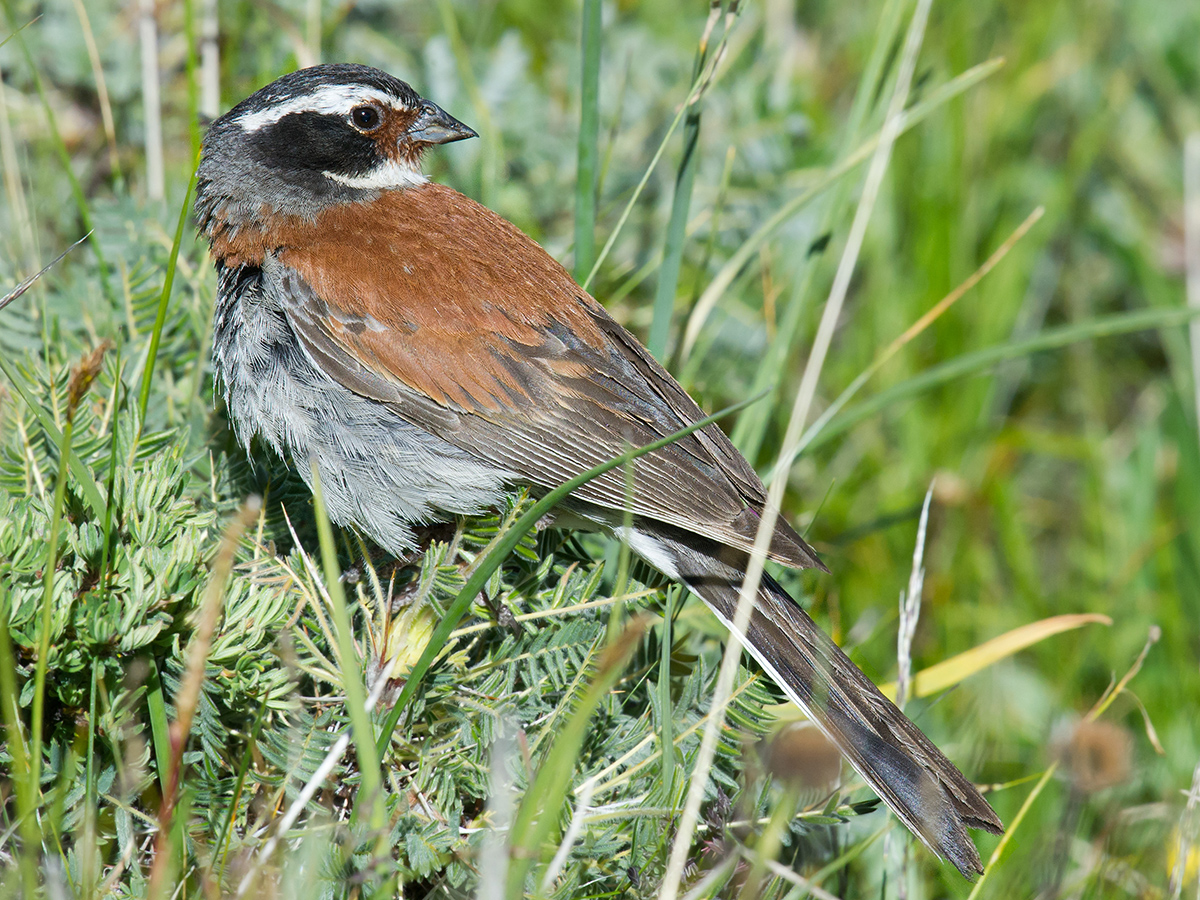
[(924, 789)]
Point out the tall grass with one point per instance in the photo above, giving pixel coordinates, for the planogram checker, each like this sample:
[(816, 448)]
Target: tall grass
[(188, 706)]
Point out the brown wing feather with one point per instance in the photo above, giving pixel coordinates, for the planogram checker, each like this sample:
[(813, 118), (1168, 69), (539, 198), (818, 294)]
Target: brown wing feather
[(553, 386)]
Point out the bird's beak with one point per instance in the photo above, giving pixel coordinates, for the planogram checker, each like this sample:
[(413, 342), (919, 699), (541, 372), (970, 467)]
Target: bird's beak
[(434, 125)]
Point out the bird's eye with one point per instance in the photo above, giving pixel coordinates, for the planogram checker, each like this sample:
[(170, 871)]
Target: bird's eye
[(365, 118)]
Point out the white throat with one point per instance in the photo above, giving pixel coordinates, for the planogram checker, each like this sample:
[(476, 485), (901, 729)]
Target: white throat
[(331, 99), (391, 174)]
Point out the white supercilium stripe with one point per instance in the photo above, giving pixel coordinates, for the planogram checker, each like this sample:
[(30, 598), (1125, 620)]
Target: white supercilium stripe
[(332, 99)]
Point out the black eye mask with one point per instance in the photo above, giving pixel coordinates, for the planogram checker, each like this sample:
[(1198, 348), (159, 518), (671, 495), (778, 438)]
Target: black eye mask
[(315, 142)]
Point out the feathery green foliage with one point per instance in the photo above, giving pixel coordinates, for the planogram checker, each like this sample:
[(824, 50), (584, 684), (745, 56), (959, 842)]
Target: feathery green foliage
[(1054, 403)]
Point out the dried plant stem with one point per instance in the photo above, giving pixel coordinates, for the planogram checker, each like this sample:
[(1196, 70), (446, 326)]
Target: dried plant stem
[(936, 311), (151, 101), (106, 113), (696, 92), (13, 186), (317, 781), (1191, 226), (910, 607), (210, 60), (188, 698), (583, 802), (799, 415), (493, 855), (896, 845), (558, 611), (1189, 827)]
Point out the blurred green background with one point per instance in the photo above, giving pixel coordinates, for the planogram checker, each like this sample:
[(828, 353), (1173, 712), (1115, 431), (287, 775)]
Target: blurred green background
[(1066, 480)]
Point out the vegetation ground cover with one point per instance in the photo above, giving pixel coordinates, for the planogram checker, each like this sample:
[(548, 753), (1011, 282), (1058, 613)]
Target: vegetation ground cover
[(1051, 407)]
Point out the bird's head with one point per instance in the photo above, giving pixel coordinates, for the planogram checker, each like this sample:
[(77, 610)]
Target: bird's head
[(317, 137)]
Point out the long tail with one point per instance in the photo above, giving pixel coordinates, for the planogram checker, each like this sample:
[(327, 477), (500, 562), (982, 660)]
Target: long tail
[(924, 789)]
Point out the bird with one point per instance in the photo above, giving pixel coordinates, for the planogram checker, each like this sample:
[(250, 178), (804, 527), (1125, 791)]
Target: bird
[(428, 359)]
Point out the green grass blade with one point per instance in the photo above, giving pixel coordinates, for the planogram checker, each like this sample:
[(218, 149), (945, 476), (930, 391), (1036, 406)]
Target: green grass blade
[(10, 715), (192, 68), (666, 725), (1012, 828), (160, 317), (119, 395), (160, 725), (87, 847), (864, 97), (870, 84), (668, 275), (371, 789), (589, 135), (973, 363), (106, 116), (39, 678), (632, 202)]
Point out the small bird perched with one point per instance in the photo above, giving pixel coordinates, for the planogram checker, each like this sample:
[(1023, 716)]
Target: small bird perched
[(429, 358)]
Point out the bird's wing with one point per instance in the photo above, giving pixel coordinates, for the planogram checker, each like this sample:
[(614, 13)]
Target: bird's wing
[(462, 325)]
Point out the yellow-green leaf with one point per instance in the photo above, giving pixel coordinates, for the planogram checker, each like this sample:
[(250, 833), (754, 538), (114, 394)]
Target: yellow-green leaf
[(950, 672)]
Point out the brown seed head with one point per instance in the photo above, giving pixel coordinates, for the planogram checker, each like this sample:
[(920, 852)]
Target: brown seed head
[(84, 374), (801, 753), (1097, 755)]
